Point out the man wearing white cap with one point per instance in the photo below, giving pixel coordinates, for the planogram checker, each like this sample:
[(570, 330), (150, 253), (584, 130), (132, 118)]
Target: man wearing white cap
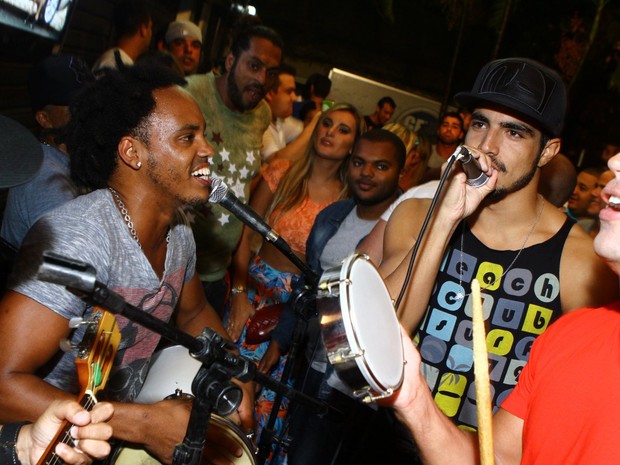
[(184, 40)]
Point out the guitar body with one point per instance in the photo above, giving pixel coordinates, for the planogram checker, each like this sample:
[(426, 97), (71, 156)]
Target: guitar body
[(94, 361)]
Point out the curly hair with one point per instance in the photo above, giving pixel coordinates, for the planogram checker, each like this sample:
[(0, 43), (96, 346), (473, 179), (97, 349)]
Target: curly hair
[(116, 105)]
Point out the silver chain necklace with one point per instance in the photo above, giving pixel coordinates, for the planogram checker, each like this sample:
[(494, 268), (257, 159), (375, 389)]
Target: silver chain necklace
[(126, 217), (460, 295)]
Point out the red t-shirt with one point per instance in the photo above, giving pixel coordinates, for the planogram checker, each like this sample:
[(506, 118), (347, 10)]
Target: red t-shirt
[(569, 392)]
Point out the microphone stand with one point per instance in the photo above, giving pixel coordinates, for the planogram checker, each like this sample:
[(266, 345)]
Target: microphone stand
[(302, 299), (212, 386)]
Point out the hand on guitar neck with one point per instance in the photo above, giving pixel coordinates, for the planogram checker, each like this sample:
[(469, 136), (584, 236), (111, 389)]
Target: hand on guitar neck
[(89, 429), (95, 356)]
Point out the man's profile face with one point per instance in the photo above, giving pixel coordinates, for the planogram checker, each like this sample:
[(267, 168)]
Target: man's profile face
[(373, 172), (579, 200), (252, 72), (187, 51), (385, 113), (281, 99), (606, 243), (450, 131), (178, 153)]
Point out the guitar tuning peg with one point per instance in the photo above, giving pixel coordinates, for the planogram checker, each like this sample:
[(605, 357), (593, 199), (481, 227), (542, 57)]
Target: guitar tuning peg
[(75, 322), (67, 346)]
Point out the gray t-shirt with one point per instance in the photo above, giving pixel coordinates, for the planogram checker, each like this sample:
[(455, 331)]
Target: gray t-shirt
[(26, 203), (342, 244), (91, 229)]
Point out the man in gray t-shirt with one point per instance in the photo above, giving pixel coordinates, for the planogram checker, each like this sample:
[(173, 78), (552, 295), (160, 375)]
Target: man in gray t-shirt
[(136, 139)]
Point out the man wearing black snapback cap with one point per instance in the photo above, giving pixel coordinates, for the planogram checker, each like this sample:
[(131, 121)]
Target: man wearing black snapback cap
[(533, 264)]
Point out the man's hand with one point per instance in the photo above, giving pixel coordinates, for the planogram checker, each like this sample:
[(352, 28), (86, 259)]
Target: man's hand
[(405, 396), (246, 408), (460, 198), (90, 429), (166, 423)]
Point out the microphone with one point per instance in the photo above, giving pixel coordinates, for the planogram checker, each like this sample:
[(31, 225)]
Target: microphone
[(222, 195), (475, 176)]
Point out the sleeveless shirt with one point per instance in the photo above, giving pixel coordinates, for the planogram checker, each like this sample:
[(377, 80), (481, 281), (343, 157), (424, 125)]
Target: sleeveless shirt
[(517, 307)]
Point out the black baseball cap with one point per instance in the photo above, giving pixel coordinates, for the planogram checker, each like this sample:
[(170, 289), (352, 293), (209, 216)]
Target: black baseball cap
[(530, 90), (56, 79), (21, 153)]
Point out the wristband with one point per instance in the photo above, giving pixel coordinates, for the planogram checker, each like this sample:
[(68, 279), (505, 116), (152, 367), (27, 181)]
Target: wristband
[(238, 290), (8, 441)]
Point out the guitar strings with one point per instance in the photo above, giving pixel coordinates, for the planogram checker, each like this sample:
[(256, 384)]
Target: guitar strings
[(88, 403)]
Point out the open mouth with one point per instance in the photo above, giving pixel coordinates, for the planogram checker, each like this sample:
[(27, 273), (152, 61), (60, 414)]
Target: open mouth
[(202, 173), (255, 93), (614, 202)]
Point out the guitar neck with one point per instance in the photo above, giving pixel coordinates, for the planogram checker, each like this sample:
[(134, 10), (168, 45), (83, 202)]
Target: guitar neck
[(49, 457)]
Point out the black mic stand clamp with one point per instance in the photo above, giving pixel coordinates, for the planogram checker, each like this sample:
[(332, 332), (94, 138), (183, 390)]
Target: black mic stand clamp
[(213, 391)]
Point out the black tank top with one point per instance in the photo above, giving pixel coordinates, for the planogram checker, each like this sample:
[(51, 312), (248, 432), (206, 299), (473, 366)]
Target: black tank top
[(518, 306)]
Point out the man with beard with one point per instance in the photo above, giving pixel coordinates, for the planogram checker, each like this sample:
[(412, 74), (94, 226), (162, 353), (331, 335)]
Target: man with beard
[(53, 83), (564, 409), (137, 141), (449, 135), (237, 117), (533, 263)]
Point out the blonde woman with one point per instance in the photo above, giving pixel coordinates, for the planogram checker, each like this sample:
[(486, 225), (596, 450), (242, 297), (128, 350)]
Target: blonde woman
[(418, 150), (289, 195)]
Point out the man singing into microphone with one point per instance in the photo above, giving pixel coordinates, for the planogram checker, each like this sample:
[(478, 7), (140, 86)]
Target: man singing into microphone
[(533, 264)]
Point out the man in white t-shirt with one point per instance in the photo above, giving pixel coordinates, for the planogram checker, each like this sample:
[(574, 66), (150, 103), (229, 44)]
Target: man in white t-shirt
[(280, 99)]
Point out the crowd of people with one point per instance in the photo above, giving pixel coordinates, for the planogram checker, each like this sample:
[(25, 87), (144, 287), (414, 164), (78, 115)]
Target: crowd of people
[(128, 152)]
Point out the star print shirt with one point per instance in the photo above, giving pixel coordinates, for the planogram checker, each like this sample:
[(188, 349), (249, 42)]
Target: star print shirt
[(237, 138)]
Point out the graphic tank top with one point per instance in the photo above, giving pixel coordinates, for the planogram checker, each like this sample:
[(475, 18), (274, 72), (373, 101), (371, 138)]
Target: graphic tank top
[(517, 308)]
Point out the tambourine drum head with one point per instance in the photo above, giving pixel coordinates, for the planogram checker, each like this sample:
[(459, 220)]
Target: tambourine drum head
[(372, 325)]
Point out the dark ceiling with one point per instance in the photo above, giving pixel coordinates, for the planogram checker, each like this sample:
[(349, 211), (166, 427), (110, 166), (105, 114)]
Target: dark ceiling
[(411, 44)]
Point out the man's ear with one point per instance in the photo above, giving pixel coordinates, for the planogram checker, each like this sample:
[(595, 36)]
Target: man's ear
[(129, 153), (230, 59), (144, 30), (43, 119), (551, 149), (269, 95)]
